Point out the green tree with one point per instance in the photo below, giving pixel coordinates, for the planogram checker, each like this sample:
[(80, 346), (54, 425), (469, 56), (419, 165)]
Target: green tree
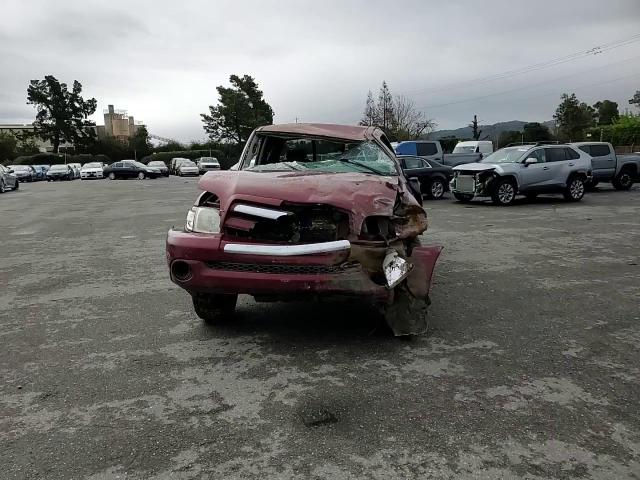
[(111, 147), (370, 115), (573, 117), (384, 110), (27, 146), (509, 136), (8, 145), (62, 113), (241, 108), (536, 132), (140, 144), (607, 112)]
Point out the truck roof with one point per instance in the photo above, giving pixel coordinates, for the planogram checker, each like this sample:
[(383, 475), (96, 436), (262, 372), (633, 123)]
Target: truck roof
[(345, 132)]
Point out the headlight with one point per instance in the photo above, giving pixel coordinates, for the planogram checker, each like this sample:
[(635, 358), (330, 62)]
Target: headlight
[(203, 220)]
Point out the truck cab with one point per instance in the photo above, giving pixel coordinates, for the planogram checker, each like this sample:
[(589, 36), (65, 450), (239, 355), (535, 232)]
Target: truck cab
[(622, 171)]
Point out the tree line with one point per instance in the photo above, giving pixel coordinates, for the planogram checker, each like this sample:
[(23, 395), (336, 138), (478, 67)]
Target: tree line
[(62, 117)]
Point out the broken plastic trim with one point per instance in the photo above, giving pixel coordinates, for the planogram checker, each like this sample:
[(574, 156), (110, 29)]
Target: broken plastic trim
[(259, 211), (395, 268)]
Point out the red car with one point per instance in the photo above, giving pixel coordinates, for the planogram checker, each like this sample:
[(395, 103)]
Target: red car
[(310, 210)]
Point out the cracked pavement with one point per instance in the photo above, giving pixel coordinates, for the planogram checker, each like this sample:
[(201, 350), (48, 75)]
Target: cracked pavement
[(531, 368)]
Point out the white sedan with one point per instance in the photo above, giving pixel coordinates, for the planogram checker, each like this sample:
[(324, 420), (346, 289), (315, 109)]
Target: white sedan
[(91, 170), (188, 168)]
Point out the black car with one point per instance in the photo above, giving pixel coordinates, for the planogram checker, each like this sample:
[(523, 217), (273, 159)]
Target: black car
[(130, 169), (60, 172), (434, 177)]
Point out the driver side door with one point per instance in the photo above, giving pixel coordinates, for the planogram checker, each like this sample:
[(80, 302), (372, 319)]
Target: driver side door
[(535, 175)]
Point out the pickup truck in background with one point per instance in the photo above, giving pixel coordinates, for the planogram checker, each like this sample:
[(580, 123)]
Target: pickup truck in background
[(621, 170), (432, 150)]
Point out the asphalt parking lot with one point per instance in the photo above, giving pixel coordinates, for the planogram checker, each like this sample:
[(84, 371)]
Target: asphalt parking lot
[(531, 369)]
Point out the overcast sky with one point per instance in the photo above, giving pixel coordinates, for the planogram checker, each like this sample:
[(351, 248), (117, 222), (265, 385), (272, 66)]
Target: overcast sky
[(316, 60)]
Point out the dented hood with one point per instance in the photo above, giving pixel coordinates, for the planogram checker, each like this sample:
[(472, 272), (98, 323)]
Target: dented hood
[(373, 194), (359, 194)]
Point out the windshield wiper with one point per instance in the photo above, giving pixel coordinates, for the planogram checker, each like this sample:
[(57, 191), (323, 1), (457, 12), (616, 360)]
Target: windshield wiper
[(367, 167)]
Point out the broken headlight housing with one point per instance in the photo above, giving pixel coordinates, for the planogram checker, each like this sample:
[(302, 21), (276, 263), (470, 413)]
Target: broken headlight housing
[(203, 220)]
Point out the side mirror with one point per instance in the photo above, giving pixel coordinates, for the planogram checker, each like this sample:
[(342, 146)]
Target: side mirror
[(416, 188), (530, 161)]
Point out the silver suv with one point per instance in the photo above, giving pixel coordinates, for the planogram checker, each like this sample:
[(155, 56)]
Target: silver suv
[(8, 179), (526, 169)]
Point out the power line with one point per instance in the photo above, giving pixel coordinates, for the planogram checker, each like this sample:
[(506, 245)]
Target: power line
[(537, 66), (504, 92)]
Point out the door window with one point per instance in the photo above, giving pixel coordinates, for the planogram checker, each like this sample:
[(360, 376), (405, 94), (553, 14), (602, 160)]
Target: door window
[(555, 154), (538, 154), (412, 162), (571, 154), (585, 148), (600, 150), (425, 149), (406, 148), (118, 165)]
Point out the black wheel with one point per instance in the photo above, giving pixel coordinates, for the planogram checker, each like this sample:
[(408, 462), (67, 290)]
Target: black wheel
[(214, 307), (406, 315), (436, 189), (531, 196), (2, 187), (141, 176), (463, 197), (574, 190), (111, 176), (504, 193), (623, 181), (17, 185)]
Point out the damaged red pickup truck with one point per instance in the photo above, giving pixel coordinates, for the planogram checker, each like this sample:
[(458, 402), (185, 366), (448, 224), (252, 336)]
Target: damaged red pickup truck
[(312, 211)]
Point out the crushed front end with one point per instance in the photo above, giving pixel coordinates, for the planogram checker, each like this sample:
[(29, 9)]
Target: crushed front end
[(283, 236)]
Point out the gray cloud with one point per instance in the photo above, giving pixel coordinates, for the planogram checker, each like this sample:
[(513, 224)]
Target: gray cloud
[(316, 60)]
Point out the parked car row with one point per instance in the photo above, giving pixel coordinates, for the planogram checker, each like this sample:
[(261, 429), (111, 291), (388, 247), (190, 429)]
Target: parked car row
[(529, 170), (185, 167)]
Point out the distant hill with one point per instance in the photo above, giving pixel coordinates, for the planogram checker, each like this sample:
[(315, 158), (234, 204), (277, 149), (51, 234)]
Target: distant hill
[(489, 132)]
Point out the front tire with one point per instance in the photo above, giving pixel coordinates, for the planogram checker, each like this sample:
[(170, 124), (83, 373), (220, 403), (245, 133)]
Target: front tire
[(463, 197), (213, 308), (17, 185), (436, 189), (112, 176), (2, 187), (505, 193), (624, 181), (575, 190), (141, 176)]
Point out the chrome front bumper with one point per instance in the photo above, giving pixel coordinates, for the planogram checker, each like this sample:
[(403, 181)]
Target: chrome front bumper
[(287, 250)]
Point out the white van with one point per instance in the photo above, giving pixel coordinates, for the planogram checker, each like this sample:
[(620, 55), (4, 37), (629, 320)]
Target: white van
[(485, 147)]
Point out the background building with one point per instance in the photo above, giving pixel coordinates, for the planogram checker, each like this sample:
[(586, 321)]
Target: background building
[(17, 130), (117, 124)]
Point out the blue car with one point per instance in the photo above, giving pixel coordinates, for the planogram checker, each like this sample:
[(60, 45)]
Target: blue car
[(40, 172)]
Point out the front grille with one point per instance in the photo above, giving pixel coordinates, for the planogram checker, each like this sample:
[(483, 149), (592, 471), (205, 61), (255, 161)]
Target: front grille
[(465, 183), (277, 269), (303, 224)]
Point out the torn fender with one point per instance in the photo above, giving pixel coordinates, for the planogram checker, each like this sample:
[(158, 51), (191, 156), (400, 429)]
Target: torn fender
[(424, 261)]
